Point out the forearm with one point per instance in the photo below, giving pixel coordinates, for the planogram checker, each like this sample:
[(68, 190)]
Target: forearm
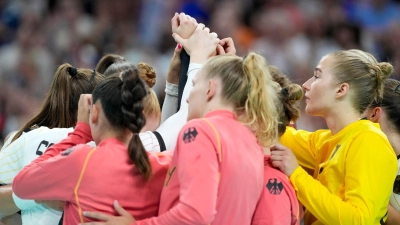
[(181, 214), (169, 130), (326, 207), (393, 217), (170, 101), (7, 206)]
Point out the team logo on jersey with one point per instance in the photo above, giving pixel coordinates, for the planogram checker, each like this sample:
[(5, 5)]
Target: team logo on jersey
[(396, 186), (190, 135), (68, 151), (274, 186)]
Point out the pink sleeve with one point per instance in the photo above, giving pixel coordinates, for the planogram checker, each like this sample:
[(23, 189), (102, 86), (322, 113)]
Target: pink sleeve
[(80, 135), (53, 176), (198, 172), (274, 206)]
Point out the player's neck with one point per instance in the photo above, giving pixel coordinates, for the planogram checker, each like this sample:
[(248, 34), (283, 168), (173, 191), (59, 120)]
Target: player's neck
[(394, 140)]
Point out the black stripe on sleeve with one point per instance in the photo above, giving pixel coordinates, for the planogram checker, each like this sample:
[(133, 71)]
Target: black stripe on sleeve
[(160, 141), (185, 60)]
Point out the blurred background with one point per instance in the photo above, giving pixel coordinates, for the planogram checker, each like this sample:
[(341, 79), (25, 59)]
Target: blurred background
[(38, 35)]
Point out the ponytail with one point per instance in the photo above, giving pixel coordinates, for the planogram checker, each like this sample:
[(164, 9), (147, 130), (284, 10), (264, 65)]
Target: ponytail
[(261, 113), (133, 92), (60, 106), (248, 85)]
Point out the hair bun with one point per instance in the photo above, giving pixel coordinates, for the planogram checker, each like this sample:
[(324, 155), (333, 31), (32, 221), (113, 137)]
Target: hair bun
[(386, 69), (72, 71), (147, 73), (295, 92)]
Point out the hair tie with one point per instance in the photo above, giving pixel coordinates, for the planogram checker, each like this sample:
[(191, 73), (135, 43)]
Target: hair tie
[(93, 75), (396, 88), (72, 71), (285, 92)]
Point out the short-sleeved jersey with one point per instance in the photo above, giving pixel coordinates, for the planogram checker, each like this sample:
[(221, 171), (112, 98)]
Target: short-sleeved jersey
[(14, 156), (30, 145)]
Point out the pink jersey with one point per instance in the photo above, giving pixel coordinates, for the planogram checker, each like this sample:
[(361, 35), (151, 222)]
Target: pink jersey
[(90, 179), (278, 204), (216, 174)]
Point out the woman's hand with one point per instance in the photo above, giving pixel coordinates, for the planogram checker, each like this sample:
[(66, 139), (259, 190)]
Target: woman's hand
[(284, 159), (183, 25), (125, 217), (201, 45), (174, 70), (85, 102), (228, 46)]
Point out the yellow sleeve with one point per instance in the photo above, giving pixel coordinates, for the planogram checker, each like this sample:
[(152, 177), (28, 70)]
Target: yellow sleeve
[(370, 169), (303, 144)]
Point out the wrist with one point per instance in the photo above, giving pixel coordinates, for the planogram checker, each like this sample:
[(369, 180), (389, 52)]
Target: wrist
[(197, 58), (173, 77)]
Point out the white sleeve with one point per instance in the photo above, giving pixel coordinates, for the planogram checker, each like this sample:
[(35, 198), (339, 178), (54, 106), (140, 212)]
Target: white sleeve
[(169, 130), (24, 204), (11, 159), (149, 141), (170, 104)]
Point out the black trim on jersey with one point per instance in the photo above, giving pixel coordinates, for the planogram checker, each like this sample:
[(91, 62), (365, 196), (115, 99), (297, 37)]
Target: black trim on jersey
[(61, 219), (27, 130), (185, 60), (398, 157), (381, 221), (160, 141)]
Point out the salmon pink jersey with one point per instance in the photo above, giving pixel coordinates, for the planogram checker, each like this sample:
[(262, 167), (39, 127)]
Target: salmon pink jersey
[(216, 174)]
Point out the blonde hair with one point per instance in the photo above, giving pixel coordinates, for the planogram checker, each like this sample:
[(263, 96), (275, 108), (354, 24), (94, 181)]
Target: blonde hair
[(248, 85), (151, 105), (289, 96), (363, 73)]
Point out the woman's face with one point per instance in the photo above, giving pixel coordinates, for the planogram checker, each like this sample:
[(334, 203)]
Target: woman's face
[(198, 96), (320, 89)]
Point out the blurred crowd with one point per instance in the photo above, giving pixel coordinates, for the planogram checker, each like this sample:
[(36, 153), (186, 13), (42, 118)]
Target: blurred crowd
[(38, 35)]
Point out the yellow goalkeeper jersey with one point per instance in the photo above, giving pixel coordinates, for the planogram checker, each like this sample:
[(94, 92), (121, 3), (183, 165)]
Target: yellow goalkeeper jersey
[(353, 173)]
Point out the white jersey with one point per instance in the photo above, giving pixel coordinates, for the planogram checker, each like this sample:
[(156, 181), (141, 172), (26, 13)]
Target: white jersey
[(395, 196), (150, 141), (21, 152)]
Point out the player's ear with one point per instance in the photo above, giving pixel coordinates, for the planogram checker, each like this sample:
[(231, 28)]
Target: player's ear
[(94, 114)]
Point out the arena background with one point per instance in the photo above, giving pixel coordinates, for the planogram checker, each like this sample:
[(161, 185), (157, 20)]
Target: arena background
[(38, 35)]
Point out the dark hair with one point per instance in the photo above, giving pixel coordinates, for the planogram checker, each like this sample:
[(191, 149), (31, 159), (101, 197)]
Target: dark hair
[(60, 106), (390, 103), (289, 95), (121, 97), (111, 64)]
